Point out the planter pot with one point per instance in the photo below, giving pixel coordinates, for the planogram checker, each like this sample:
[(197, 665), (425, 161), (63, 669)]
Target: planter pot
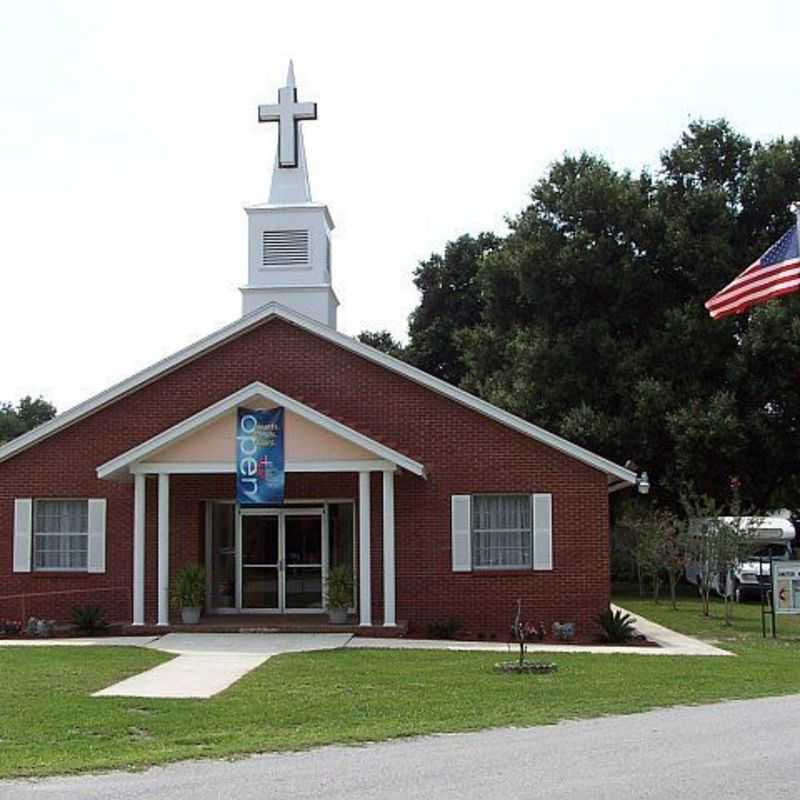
[(191, 616), (337, 616)]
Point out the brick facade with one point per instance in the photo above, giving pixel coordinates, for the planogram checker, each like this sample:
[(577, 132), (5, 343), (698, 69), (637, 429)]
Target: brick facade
[(463, 451)]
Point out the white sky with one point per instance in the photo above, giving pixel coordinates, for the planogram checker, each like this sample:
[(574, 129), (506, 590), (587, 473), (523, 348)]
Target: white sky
[(129, 145)]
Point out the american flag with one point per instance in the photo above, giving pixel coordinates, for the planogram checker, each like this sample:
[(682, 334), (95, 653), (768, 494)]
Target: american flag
[(776, 273)]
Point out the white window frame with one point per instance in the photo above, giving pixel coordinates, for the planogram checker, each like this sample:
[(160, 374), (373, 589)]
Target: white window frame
[(35, 534), (529, 530)]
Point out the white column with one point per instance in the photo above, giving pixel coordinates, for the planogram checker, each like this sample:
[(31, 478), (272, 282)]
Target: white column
[(364, 588), (389, 602), (138, 548), (163, 549)]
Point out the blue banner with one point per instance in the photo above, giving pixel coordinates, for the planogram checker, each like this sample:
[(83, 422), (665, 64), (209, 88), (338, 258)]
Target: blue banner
[(260, 476)]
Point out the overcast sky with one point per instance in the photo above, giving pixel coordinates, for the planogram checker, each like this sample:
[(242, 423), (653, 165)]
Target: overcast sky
[(129, 145)]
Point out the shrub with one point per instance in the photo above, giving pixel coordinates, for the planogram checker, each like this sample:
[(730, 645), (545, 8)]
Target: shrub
[(616, 627), (189, 589), (448, 629), (340, 587), (89, 619)]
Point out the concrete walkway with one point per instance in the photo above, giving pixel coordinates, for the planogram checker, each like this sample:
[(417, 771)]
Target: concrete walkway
[(670, 643), (208, 663)]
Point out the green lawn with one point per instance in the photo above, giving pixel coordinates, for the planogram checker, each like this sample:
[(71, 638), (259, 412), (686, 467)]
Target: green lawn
[(50, 724)]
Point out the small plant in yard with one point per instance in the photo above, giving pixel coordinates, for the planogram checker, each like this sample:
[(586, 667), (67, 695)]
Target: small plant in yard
[(522, 633), (616, 627), (89, 619), (339, 593), (189, 592), (448, 629)]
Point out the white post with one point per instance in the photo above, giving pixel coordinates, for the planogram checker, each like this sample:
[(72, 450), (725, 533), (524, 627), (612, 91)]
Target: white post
[(139, 487), (364, 588), (163, 549), (389, 613)]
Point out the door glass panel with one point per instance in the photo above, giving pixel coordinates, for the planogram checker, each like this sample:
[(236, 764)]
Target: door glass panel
[(340, 533), (260, 540), (303, 540), (223, 555), (259, 587), (303, 587)]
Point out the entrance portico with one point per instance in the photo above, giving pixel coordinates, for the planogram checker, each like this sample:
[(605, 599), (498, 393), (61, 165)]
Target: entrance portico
[(204, 444)]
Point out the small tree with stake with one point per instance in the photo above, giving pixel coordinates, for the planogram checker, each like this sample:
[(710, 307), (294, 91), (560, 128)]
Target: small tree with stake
[(524, 632)]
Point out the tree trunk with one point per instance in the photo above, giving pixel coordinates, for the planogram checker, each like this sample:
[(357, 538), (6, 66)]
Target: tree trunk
[(640, 579), (673, 590)]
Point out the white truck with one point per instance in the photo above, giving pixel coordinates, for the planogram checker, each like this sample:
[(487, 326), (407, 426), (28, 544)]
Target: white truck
[(772, 537)]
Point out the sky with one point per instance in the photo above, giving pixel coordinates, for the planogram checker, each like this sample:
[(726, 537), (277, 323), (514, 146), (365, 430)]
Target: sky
[(129, 146)]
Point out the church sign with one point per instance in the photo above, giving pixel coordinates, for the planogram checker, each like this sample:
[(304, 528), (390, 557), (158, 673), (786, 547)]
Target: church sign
[(786, 586), (260, 476)]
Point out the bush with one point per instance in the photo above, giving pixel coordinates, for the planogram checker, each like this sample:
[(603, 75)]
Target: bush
[(340, 587), (448, 629), (89, 619), (616, 627), (189, 589)]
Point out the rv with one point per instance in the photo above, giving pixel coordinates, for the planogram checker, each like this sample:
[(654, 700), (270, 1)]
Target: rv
[(772, 539)]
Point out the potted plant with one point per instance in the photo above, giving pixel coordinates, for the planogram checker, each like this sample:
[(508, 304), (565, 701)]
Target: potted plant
[(189, 592), (339, 594)]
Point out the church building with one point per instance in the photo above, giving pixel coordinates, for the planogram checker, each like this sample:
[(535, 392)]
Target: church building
[(278, 448)]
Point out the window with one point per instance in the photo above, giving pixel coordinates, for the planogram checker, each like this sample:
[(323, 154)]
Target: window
[(61, 535), (501, 531)]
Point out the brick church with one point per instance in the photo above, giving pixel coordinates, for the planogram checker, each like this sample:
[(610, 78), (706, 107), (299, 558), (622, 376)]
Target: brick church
[(440, 504)]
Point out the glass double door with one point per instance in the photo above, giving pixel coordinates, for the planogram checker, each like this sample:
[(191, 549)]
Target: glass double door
[(282, 560)]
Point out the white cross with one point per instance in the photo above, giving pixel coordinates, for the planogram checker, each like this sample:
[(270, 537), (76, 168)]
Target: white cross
[(287, 112)]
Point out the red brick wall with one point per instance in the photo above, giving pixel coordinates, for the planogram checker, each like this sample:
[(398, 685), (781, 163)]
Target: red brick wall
[(463, 452)]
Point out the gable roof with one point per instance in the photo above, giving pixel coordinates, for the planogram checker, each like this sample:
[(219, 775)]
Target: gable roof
[(618, 476), (255, 390)]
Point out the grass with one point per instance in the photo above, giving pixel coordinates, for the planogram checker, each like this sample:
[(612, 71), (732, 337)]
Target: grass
[(49, 723)]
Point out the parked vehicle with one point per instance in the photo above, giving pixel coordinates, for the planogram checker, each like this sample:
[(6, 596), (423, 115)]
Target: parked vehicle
[(772, 537)]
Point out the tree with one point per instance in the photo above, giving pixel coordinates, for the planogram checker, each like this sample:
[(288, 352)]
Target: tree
[(718, 539), (26, 415), (450, 301), (588, 317), (659, 546), (383, 341)]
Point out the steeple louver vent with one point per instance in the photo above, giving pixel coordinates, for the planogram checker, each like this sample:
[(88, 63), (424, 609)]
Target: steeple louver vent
[(285, 248)]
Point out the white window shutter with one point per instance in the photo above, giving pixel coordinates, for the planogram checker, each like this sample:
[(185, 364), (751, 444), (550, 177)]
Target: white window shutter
[(543, 531), (23, 526), (96, 561), (461, 532)]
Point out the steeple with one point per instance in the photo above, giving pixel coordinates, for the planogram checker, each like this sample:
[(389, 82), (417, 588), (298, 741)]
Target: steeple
[(290, 252)]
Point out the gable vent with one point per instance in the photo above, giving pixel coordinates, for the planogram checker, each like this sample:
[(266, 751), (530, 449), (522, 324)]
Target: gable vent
[(281, 248)]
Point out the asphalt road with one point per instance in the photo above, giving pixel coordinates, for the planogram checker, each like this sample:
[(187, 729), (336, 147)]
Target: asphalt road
[(733, 750)]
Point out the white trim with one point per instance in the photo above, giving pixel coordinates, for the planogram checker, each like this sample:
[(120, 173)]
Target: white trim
[(139, 509), (249, 321), (389, 588), (364, 553), (163, 549), (254, 391), (216, 467)]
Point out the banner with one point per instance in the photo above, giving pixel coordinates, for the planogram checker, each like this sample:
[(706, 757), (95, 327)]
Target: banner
[(260, 476)]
